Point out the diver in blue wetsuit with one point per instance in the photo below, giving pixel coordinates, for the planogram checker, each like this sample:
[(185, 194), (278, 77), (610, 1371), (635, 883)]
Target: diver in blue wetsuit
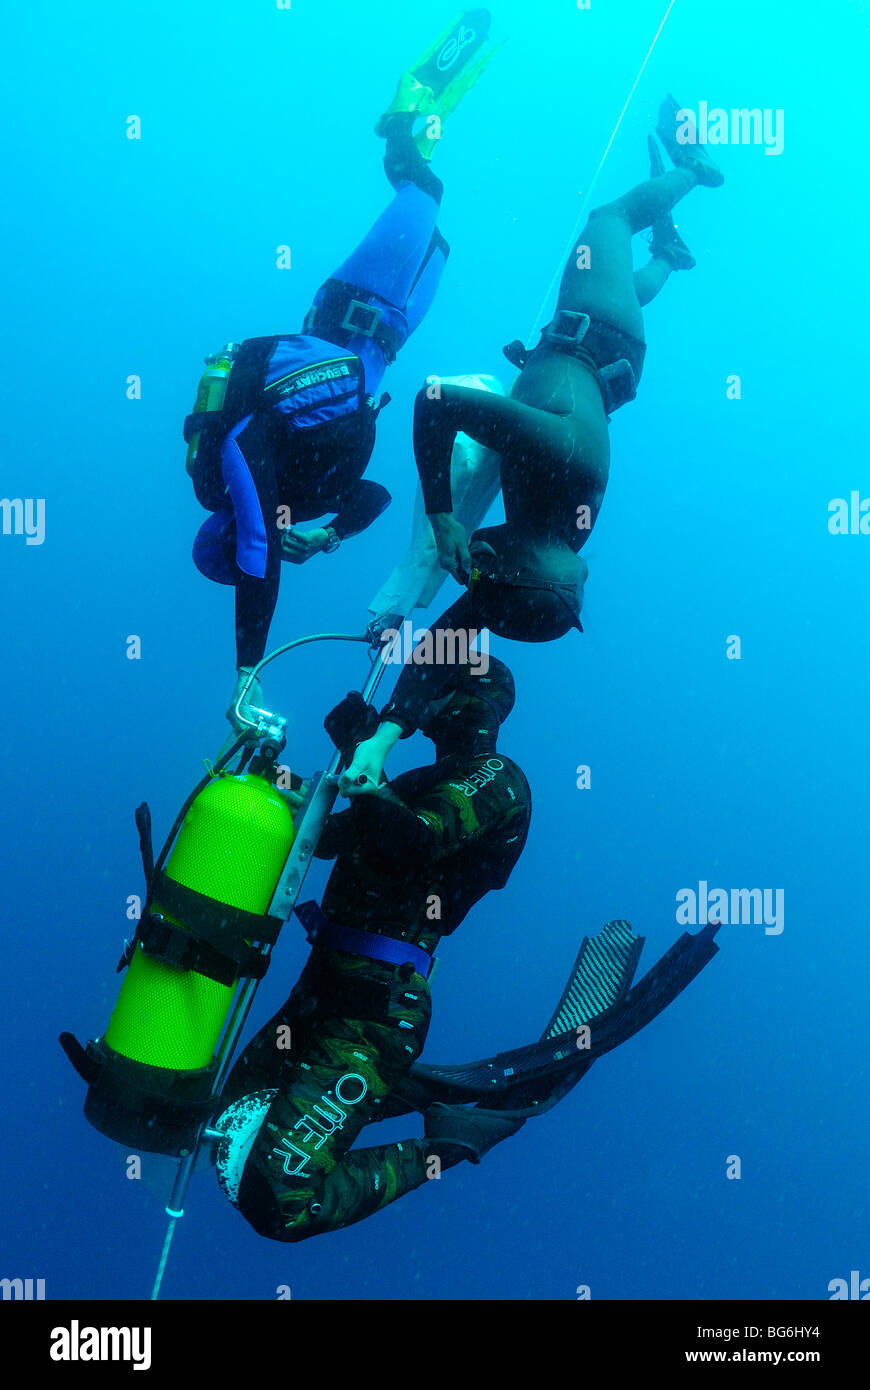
[(296, 428)]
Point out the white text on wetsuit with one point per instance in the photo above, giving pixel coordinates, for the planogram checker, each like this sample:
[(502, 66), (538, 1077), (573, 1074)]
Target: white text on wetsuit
[(481, 778)]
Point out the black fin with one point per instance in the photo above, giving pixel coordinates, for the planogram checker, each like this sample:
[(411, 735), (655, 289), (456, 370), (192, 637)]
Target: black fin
[(530, 1079)]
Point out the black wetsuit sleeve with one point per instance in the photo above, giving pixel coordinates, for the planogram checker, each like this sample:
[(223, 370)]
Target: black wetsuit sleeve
[(380, 828), (472, 805), (466, 807), (434, 437), (337, 836), (256, 599), (255, 608), (358, 507)]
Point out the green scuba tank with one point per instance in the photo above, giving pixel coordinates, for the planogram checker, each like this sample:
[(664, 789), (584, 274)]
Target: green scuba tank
[(152, 1072), (211, 392)]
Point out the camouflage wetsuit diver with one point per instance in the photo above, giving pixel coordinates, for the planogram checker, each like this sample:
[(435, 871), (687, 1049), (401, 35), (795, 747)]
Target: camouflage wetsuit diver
[(410, 865), (525, 578)]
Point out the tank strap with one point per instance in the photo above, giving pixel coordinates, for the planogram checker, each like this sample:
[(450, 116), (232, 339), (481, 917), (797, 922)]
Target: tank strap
[(146, 849), (178, 1101), (215, 941)]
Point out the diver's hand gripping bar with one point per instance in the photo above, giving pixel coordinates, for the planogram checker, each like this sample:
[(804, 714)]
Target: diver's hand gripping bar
[(267, 726)]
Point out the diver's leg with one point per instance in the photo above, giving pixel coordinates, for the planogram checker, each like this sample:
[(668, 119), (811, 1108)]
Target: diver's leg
[(600, 280), (259, 1066), (330, 1089), (426, 284), (367, 1180), (648, 201), (403, 162), (388, 260), (651, 279), (370, 1179)]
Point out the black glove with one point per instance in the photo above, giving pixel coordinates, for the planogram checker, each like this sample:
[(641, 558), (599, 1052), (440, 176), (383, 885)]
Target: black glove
[(351, 722)]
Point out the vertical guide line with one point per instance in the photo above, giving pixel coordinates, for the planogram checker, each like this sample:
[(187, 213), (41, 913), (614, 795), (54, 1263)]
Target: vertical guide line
[(158, 1278), (581, 219)]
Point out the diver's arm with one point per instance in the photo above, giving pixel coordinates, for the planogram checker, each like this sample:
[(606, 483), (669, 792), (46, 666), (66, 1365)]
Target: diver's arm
[(381, 828), (336, 837), (451, 541), (433, 452), (363, 777), (434, 437), (358, 507), (453, 815), (456, 814), (255, 608)]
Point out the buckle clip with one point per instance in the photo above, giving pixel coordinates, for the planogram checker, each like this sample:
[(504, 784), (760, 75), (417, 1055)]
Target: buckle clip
[(569, 326), (161, 940), (618, 384), (362, 319)]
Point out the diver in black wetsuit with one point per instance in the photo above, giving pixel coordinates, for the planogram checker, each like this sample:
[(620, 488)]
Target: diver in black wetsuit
[(410, 864), (525, 578)]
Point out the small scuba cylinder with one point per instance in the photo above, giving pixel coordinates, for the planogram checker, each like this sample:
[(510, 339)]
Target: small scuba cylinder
[(211, 392), (154, 1067)]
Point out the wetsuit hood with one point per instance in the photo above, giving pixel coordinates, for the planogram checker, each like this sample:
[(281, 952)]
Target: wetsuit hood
[(465, 720)]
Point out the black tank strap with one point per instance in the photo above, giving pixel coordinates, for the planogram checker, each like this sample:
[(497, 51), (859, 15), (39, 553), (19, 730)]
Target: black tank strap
[(216, 940), (163, 941)]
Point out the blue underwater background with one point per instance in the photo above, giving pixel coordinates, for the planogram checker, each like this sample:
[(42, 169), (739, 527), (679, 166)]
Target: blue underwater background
[(139, 257)]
